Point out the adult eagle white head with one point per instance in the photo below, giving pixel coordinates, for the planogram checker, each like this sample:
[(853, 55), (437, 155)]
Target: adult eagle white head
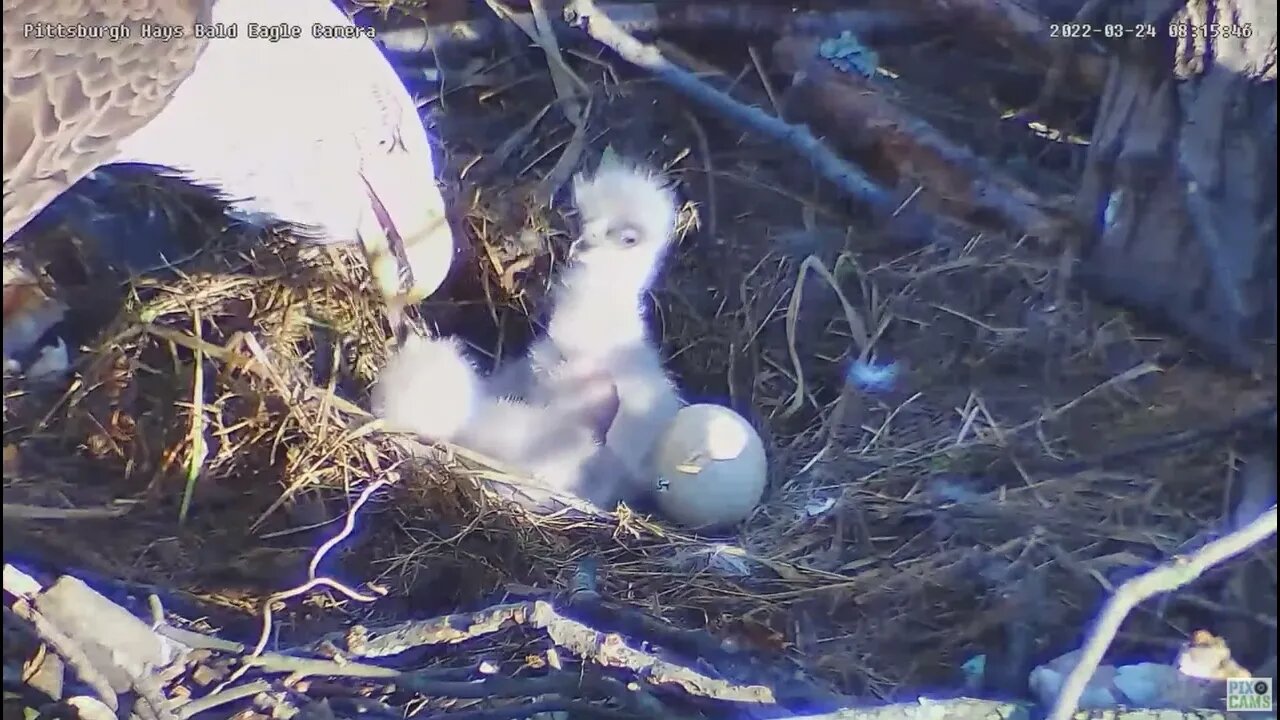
[(282, 105)]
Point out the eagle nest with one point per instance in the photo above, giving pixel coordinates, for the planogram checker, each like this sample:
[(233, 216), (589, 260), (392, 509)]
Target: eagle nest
[(216, 432)]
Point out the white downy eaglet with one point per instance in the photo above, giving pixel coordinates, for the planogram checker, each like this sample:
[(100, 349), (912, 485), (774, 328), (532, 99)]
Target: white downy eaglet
[(430, 388), (597, 325)]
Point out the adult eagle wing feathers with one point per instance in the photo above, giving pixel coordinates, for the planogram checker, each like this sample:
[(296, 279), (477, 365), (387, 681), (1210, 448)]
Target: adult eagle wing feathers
[(68, 101)]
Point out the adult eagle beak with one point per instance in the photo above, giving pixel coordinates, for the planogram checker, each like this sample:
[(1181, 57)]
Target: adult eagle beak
[(406, 236)]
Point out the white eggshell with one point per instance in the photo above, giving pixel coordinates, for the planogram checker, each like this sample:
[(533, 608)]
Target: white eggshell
[(711, 467)]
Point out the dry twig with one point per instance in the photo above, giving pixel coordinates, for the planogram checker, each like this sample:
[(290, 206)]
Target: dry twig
[(1171, 576), (605, 649), (585, 14)]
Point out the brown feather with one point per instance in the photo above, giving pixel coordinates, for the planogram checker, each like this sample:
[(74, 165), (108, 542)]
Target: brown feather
[(68, 102)]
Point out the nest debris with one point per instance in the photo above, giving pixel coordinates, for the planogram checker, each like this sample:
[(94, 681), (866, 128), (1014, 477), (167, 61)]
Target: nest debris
[(905, 531)]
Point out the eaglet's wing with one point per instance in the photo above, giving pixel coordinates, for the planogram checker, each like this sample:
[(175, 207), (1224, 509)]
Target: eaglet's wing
[(69, 100)]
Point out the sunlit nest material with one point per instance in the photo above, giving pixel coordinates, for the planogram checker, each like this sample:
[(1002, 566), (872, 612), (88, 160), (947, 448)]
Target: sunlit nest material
[(902, 528)]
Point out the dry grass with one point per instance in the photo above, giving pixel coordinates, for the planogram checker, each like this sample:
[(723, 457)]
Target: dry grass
[(904, 531)]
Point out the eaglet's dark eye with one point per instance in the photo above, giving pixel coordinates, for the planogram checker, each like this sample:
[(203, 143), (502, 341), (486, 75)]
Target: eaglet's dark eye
[(628, 236)]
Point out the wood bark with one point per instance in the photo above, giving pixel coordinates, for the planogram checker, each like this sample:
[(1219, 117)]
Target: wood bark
[(1178, 195)]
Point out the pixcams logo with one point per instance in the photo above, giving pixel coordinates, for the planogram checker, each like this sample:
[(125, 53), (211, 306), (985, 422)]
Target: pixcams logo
[(1249, 695)]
